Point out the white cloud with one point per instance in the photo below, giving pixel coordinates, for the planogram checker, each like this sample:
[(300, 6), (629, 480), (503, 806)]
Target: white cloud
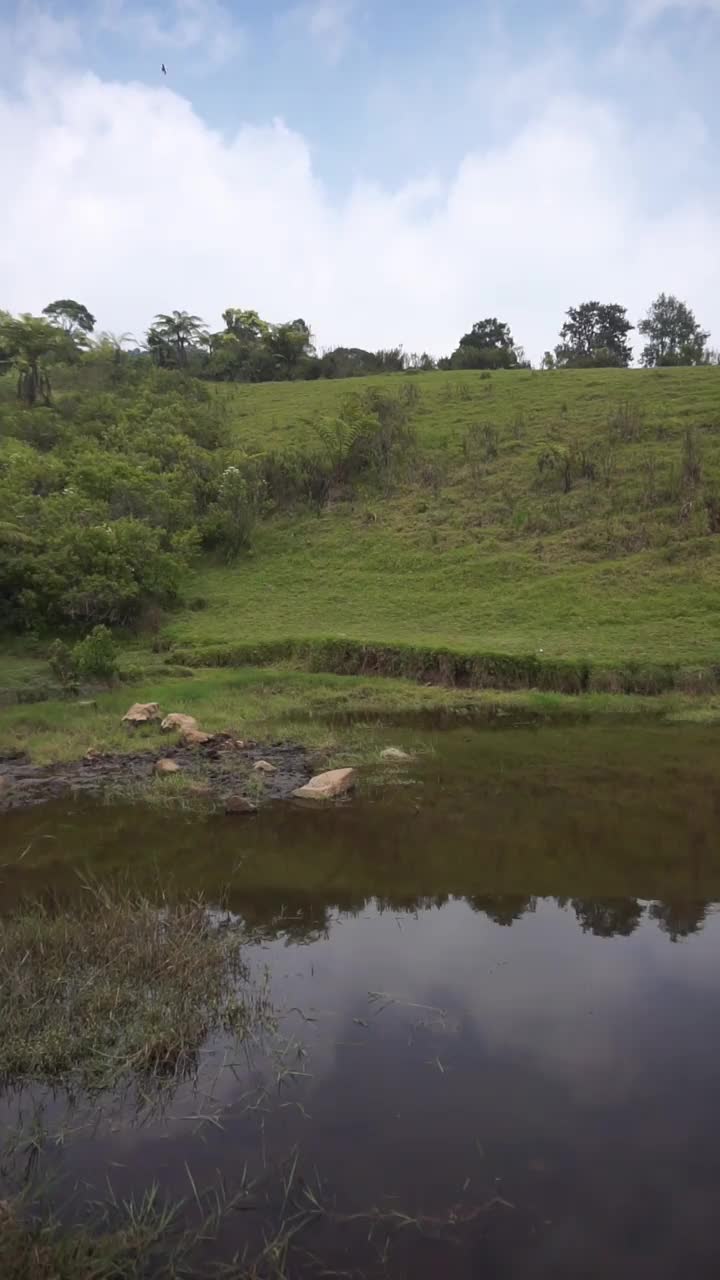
[(206, 27), (122, 196)]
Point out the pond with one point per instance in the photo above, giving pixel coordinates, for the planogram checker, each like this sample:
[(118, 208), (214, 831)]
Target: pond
[(498, 976)]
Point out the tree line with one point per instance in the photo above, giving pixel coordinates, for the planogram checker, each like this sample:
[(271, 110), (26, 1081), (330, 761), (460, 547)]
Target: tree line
[(251, 349)]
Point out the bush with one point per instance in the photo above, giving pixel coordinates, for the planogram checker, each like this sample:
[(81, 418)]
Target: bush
[(370, 440), (231, 520), (63, 665), (96, 655)]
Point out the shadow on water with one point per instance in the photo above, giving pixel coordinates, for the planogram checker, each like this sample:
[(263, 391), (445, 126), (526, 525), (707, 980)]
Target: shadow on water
[(498, 968)]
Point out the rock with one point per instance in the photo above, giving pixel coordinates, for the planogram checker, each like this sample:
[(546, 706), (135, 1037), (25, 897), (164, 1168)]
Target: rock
[(200, 789), (142, 713), (239, 804), (176, 720), (394, 753), (264, 766), (325, 786), (166, 766), (86, 702), (195, 738)]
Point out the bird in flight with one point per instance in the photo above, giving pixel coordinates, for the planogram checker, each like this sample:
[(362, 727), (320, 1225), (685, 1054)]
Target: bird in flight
[(163, 68)]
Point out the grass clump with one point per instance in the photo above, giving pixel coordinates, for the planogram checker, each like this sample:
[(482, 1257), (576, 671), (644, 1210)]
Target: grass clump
[(146, 1237), (114, 986), (37, 1248)]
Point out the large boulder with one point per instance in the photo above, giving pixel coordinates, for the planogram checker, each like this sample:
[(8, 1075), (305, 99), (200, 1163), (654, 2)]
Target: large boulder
[(326, 786), (142, 713), (179, 722)]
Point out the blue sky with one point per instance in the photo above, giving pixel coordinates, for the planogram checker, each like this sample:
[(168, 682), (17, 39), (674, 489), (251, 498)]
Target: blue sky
[(391, 171)]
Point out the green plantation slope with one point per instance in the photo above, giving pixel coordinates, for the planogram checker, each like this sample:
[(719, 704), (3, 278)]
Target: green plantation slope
[(575, 514)]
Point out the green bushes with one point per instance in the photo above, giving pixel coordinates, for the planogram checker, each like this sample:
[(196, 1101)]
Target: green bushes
[(231, 519), (94, 658), (108, 495), (97, 656), (88, 573), (102, 524), (61, 661)]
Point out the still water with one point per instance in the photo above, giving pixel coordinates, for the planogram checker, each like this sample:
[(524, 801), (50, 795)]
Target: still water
[(499, 976)]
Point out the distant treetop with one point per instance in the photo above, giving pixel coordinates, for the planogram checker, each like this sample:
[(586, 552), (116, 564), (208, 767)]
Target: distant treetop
[(595, 334), (674, 333), (71, 316)]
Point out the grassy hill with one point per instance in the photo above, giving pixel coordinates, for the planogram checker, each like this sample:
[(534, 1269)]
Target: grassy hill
[(571, 515)]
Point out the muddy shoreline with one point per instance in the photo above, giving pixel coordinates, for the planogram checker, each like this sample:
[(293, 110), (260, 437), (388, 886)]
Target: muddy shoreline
[(218, 771)]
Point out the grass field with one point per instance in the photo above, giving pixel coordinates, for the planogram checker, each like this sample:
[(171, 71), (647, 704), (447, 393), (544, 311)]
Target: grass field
[(478, 548)]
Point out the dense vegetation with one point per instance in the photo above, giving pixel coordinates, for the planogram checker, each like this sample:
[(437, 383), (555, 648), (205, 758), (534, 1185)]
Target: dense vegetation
[(109, 491), (478, 524)]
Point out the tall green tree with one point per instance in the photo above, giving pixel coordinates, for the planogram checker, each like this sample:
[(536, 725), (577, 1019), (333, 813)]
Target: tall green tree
[(675, 337), (488, 345), (290, 342), (595, 333), (246, 326), (30, 342), (239, 352), (71, 316), (177, 331)]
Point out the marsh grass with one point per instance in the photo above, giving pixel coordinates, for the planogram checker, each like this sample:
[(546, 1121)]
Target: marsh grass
[(178, 791), (113, 986), (36, 1247), (154, 1238)]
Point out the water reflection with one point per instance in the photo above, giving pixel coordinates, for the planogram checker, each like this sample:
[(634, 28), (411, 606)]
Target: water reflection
[(533, 1081), (501, 1009), (307, 922)]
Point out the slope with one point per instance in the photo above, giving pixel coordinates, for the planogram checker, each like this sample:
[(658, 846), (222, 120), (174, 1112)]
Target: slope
[(573, 515)]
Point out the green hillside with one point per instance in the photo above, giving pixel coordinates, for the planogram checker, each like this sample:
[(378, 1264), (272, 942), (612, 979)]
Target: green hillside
[(572, 514), (557, 530)]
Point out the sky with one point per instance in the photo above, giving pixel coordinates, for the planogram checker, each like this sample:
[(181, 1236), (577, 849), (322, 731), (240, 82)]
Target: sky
[(391, 172)]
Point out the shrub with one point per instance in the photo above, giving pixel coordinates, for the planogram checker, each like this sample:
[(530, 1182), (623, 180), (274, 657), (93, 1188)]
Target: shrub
[(96, 655), (230, 522), (370, 440), (63, 664), (626, 421)]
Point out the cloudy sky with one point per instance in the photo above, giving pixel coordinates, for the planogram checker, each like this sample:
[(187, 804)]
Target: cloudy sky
[(389, 171)]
